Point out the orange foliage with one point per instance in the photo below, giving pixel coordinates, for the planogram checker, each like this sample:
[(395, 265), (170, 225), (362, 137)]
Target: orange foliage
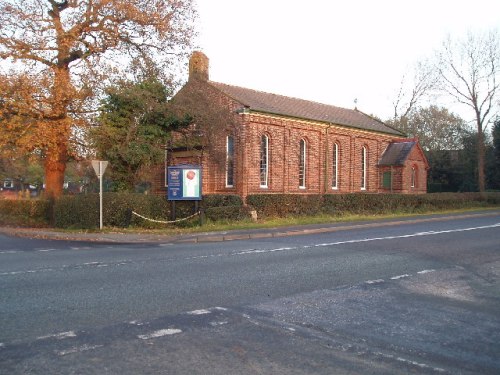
[(62, 52)]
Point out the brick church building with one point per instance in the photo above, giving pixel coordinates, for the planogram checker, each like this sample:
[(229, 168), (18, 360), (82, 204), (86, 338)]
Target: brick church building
[(252, 142)]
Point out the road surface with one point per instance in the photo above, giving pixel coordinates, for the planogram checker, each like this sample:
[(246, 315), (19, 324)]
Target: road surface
[(419, 298)]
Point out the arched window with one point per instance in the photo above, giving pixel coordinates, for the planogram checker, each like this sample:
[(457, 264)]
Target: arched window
[(364, 166), (230, 161), (264, 161), (302, 163), (413, 177), (335, 166)]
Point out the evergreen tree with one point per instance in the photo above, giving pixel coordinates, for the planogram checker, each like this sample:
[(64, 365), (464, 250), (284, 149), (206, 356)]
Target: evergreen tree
[(135, 124)]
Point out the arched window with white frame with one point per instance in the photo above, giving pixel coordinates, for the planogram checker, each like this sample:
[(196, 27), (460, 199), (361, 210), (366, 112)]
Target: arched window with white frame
[(364, 167), (302, 163), (414, 177), (264, 161), (229, 161), (335, 166)]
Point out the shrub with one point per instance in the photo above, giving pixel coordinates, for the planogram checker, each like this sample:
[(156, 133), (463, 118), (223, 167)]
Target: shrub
[(77, 211), (282, 205), (221, 200), (82, 211), (228, 213), (28, 212)]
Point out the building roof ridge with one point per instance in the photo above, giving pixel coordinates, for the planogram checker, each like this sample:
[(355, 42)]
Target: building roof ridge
[(285, 96), (266, 102)]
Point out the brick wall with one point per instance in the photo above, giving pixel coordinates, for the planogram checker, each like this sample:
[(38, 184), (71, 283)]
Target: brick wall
[(284, 136)]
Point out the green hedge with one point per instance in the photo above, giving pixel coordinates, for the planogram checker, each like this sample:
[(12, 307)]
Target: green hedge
[(227, 213), (283, 205), (82, 211), (24, 212), (221, 200)]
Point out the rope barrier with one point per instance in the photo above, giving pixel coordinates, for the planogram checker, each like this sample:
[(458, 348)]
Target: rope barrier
[(165, 222)]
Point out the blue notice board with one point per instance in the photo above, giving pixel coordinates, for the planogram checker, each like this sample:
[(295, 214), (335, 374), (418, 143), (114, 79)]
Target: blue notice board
[(184, 182)]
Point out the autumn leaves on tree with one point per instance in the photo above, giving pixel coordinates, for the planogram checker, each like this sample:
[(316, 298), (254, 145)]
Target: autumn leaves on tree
[(61, 54)]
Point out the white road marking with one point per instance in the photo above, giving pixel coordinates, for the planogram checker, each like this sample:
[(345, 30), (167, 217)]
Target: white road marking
[(59, 336), (78, 349), (215, 324), (136, 323), (425, 271), (378, 281), (9, 252), (400, 277), (418, 234), (407, 361), (199, 312), (160, 333), (46, 250)]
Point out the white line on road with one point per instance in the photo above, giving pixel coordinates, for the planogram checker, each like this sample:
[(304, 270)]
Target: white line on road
[(78, 349), (215, 324), (59, 336), (160, 333), (425, 271), (419, 234), (400, 277), (199, 312)]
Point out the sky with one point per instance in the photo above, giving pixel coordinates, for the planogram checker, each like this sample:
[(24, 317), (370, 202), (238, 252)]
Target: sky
[(332, 51)]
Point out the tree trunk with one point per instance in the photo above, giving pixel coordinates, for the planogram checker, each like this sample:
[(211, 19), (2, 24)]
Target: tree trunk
[(55, 166), (480, 157)]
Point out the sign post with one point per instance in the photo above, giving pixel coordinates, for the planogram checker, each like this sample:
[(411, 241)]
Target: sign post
[(184, 183), (99, 168)]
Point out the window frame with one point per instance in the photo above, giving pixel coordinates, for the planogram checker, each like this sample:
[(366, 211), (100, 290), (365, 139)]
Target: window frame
[(264, 164), (229, 162), (413, 177), (302, 164), (364, 168), (335, 166)]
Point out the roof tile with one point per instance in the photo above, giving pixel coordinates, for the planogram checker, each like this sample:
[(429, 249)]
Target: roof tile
[(299, 108), (396, 153)]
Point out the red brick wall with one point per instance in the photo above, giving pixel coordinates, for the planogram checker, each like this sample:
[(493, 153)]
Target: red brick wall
[(284, 138)]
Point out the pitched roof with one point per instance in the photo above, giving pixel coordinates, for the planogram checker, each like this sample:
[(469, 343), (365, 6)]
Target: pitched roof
[(286, 106), (396, 153)]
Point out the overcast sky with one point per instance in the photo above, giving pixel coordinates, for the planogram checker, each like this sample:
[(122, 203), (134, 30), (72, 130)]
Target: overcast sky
[(331, 51)]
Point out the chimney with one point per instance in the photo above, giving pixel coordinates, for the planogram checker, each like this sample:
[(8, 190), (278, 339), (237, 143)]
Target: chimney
[(198, 66)]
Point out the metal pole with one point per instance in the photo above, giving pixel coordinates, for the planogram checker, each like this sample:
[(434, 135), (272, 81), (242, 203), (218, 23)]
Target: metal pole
[(100, 195)]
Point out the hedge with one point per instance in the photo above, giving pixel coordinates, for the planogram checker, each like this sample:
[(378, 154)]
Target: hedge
[(283, 205), (82, 211), (27, 212)]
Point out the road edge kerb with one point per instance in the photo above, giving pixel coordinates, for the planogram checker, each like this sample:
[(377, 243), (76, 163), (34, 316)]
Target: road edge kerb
[(121, 238)]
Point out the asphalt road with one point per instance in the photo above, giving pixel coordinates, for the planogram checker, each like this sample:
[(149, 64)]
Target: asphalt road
[(410, 298)]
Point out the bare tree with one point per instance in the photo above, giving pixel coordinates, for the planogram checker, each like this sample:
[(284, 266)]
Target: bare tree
[(413, 91), (470, 72), (62, 51)]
